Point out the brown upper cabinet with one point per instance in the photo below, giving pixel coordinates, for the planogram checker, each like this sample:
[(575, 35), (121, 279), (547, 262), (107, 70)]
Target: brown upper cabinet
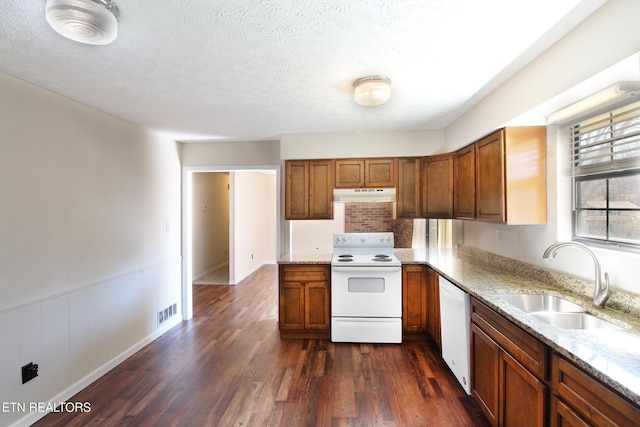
[(437, 186), (464, 189), (502, 177), (309, 189), (408, 193), (359, 173)]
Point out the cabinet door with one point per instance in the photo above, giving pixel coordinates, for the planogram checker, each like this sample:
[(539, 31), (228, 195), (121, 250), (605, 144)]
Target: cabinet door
[(349, 173), (292, 309), (408, 188), (485, 366), (379, 173), (297, 190), (414, 300), (437, 182), (563, 416), (320, 189), (490, 178), (592, 400), (465, 183), (316, 314), (522, 397), (526, 198), (433, 306)]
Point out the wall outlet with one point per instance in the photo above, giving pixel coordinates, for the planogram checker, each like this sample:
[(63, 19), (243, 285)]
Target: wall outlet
[(498, 235), (29, 372)]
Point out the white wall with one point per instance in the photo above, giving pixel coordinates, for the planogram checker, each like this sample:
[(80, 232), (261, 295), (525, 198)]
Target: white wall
[(90, 247), (316, 235), (360, 144), (253, 223), (243, 153), (605, 38)]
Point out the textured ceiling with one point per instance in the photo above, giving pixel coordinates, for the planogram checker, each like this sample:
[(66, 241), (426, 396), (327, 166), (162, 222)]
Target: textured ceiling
[(257, 69)]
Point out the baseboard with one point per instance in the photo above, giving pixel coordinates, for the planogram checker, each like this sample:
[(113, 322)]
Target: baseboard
[(211, 270), (75, 388)]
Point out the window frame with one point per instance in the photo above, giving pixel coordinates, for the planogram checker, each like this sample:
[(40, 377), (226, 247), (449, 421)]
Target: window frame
[(612, 169)]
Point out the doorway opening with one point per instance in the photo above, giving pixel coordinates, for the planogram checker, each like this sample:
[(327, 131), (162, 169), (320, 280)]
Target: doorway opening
[(252, 237)]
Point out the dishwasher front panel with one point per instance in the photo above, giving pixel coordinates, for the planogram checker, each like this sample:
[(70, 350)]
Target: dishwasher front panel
[(455, 324)]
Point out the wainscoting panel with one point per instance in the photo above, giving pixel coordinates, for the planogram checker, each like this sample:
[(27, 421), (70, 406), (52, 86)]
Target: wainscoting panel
[(79, 335)]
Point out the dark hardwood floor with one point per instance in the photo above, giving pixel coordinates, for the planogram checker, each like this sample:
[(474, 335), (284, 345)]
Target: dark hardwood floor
[(228, 367)]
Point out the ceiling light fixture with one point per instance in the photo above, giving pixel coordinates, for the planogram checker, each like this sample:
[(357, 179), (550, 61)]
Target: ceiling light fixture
[(610, 97), (371, 91), (92, 22)]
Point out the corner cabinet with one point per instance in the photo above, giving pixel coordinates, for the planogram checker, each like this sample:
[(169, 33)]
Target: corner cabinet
[(502, 177), (304, 301), (309, 189)]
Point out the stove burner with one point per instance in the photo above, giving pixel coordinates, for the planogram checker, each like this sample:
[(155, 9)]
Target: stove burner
[(345, 259), (381, 256), (345, 256), (381, 259)]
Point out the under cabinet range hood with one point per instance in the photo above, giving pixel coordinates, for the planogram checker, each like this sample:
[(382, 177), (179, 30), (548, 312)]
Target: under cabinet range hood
[(364, 195)]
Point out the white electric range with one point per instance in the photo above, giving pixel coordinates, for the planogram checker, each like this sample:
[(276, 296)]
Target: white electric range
[(366, 289)]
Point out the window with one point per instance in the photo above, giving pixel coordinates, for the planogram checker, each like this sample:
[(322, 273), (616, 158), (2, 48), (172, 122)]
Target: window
[(606, 178)]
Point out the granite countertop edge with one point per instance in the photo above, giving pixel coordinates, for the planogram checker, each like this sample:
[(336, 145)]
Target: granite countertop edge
[(611, 356)]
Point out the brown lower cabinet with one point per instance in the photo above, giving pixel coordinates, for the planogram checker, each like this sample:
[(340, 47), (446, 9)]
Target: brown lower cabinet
[(517, 381), (304, 301), (433, 306), (420, 303), (507, 370), (414, 302), (581, 400)]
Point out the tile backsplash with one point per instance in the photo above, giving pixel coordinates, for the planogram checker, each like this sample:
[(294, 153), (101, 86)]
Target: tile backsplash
[(377, 217)]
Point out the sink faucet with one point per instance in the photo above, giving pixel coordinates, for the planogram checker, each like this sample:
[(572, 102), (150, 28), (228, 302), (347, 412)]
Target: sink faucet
[(600, 294)]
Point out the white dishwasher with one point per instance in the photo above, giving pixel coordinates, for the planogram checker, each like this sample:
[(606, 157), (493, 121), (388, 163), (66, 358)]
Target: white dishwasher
[(455, 323)]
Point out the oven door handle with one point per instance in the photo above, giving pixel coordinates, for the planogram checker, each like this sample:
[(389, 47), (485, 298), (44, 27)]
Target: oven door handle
[(366, 269)]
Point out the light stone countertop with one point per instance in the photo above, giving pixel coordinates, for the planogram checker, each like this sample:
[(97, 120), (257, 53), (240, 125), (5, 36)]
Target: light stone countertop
[(610, 355)]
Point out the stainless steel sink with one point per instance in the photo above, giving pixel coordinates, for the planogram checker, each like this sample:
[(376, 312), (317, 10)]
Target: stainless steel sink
[(574, 321), (557, 311), (533, 303)]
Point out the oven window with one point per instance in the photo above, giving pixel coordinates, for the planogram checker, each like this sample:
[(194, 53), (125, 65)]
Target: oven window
[(369, 285)]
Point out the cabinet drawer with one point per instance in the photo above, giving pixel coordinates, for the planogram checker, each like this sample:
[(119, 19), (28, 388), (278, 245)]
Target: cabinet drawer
[(524, 348), (592, 400), (304, 273)]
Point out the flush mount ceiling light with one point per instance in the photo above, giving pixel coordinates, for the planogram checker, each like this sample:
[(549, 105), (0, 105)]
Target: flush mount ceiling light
[(607, 98), (371, 91), (86, 21)]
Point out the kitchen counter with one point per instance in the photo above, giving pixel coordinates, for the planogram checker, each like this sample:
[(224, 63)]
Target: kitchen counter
[(613, 356), (315, 257)]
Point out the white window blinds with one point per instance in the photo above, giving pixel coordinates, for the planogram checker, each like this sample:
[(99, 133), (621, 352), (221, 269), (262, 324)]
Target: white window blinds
[(607, 143)]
